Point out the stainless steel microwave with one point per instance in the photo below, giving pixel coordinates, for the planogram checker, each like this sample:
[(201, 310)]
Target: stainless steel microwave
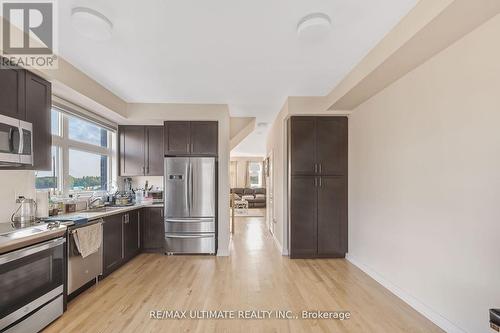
[(16, 142)]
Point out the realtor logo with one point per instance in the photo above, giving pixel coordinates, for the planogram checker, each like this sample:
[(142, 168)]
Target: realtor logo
[(28, 33)]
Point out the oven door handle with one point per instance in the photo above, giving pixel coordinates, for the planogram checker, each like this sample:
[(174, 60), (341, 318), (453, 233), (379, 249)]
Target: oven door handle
[(15, 255)]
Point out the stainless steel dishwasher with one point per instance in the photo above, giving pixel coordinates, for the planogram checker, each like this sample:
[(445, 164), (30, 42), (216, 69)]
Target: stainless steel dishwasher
[(82, 270)]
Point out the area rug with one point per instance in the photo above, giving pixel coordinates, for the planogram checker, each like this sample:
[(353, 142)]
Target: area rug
[(250, 212)]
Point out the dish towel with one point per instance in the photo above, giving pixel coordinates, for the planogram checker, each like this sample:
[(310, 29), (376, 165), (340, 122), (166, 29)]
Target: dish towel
[(88, 239)]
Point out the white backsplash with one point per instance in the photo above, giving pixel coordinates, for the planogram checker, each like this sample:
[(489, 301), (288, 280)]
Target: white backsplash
[(139, 181), (14, 184)]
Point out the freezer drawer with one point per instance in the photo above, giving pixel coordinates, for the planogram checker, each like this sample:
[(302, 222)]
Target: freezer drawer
[(190, 243), (202, 225)]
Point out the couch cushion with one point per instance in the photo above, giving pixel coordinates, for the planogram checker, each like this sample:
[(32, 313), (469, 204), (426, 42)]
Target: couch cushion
[(260, 190), (248, 197), (249, 191), (260, 196), (238, 190)]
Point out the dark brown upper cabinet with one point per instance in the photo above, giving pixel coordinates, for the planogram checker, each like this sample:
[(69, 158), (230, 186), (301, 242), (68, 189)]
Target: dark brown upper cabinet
[(12, 95), (318, 145), (204, 138), (154, 150), (184, 138), (131, 150), (331, 158), (177, 138), (302, 144), (38, 104), (26, 96), (141, 150)]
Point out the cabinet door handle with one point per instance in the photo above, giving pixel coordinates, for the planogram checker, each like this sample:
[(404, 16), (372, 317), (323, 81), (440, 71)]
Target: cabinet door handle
[(188, 146), (315, 181), (315, 168), (320, 181), (320, 168)]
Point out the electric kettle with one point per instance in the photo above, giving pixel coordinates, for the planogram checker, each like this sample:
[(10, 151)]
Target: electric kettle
[(25, 214)]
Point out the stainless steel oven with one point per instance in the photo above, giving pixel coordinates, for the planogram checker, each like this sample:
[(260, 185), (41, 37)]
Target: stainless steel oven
[(16, 142), (31, 286)]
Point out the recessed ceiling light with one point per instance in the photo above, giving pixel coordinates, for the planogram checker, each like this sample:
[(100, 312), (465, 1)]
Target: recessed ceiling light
[(91, 24), (314, 27)]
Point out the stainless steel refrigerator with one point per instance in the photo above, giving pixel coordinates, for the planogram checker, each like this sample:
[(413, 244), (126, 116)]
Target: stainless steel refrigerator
[(190, 198)]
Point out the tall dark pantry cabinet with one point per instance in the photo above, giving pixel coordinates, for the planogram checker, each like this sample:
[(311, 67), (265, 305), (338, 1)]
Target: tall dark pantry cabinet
[(318, 186)]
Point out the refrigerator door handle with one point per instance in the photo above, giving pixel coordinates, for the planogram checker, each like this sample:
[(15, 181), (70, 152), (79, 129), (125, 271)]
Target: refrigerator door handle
[(190, 236), (192, 188), (209, 219), (188, 187)]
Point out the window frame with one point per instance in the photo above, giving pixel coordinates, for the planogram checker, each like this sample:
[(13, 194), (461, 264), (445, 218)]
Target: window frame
[(260, 175), (65, 144)]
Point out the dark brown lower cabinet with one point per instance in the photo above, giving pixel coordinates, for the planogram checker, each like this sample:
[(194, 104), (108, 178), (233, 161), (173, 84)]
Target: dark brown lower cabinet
[(318, 217), (332, 216), (304, 221), (131, 240), (112, 232), (153, 230), (121, 239)]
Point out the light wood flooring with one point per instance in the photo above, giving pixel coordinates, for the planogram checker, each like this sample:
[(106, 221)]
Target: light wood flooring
[(254, 277)]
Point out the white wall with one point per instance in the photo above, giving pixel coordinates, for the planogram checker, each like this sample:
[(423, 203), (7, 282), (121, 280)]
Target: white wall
[(424, 176), (14, 184)]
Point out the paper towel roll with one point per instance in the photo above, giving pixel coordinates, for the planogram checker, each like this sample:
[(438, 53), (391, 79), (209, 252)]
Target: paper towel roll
[(42, 204)]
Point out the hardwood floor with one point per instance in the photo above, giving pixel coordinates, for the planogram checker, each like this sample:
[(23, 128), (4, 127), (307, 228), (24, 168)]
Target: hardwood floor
[(255, 277)]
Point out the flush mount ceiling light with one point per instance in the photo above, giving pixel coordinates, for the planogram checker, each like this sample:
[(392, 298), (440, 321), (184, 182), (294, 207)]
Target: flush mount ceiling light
[(314, 27), (91, 24), (261, 127)]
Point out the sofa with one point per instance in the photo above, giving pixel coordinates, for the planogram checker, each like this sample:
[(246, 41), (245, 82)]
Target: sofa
[(256, 197)]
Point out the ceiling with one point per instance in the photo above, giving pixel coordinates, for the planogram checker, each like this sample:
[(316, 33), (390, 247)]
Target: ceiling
[(242, 53)]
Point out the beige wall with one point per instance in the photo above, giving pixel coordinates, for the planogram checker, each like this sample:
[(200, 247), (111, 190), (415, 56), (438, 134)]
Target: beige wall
[(276, 147), (424, 212), (241, 169)]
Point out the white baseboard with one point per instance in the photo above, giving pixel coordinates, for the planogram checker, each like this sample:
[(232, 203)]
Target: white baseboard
[(423, 309), (277, 243)]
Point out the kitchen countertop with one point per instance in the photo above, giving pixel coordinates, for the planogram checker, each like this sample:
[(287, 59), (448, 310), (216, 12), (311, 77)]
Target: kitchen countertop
[(110, 211), (12, 239)]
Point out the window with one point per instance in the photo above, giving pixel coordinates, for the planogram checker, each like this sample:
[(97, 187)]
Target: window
[(255, 174), (49, 179), (87, 171), (84, 131), (82, 156)]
